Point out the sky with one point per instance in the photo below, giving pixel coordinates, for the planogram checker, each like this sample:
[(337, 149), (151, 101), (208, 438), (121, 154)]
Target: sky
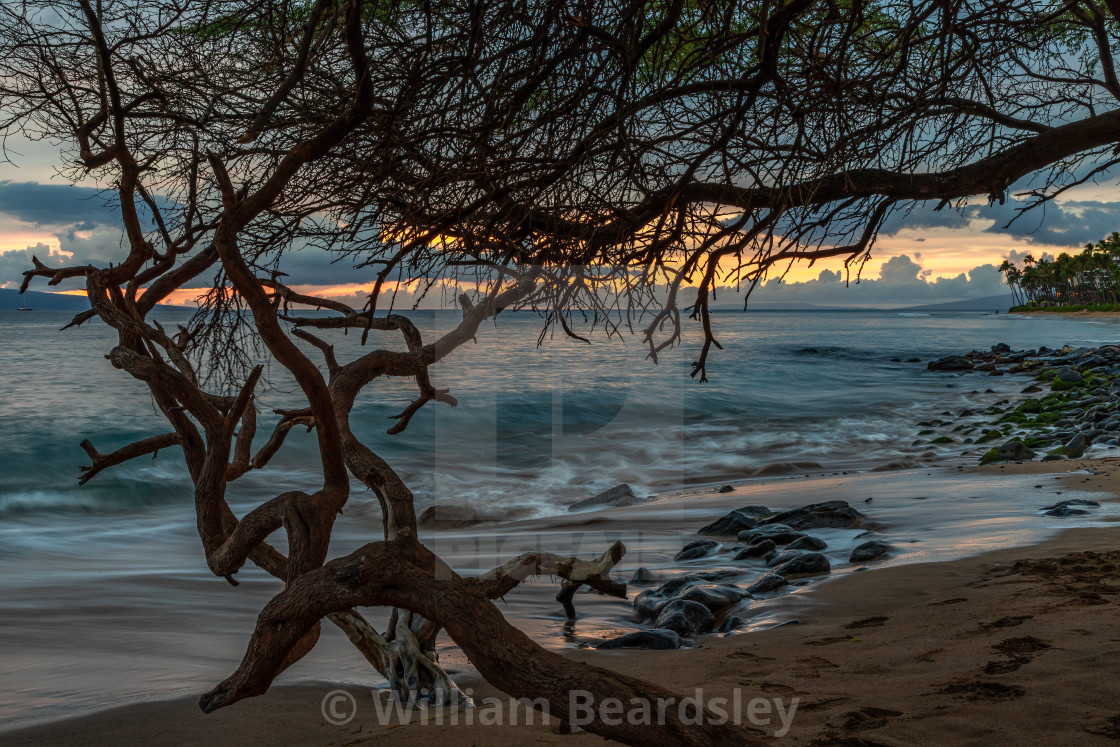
[(921, 257)]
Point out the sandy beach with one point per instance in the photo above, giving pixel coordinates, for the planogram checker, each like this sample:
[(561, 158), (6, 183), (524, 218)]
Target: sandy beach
[(994, 648)]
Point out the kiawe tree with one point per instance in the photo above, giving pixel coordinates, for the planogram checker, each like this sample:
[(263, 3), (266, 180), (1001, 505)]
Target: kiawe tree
[(615, 159)]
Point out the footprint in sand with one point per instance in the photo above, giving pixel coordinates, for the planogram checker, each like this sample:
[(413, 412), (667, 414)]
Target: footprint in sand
[(956, 600), (978, 690), (867, 622), (1019, 651), (832, 640), (811, 667), (748, 656), (1105, 727), (868, 718), (824, 705), (1004, 622)]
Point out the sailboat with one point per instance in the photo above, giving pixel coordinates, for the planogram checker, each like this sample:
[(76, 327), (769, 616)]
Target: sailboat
[(24, 307)]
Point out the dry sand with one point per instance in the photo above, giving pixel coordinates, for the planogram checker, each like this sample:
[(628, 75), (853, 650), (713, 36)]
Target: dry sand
[(1013, 647)]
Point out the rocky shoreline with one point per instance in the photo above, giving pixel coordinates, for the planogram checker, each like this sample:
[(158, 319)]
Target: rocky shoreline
[(1072, 404), (775, 547)]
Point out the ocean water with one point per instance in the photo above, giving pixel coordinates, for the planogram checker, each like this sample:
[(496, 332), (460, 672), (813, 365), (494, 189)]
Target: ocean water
[(104, 596)]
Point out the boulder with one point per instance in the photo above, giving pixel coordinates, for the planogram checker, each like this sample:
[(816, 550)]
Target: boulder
[(737, 521), (697, 549), (807, 543), (1071, 502), (643, 576), (1068, 375), (686, 618), (779, 534), (950, 363), (650, 640), (616, 497), (836, 514), (712, 596), (1001, 347), (769, 582), (730, 624), (1015, 451), (765, 549), (808, 564), (726, 489), (716, 597), (1066, 511), (783, 557), (1073, 449), (870, 551)]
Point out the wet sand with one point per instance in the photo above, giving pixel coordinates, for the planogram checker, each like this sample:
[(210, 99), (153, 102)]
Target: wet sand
[(1013, 646)]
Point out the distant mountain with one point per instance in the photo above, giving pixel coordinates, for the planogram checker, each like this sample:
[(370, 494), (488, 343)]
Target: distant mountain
[(988, 303), (780, 306), (10, 300)]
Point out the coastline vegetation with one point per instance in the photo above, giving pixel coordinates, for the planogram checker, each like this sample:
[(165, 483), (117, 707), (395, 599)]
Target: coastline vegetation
[(1087, 281)]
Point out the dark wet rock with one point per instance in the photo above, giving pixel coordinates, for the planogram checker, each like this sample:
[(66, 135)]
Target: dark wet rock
[(951, 363), (686, 618), (870, 551), (697, 549), (731, 623), (1001, 347), (1074, 448), (1053, 458), (836, 514), (650, 640), (809, 543), (643, 576), (808, 564), (737, 521), (783, 557), (716, 597), (1032, 389), (616, 497), (1014, 451), (1062, 511), (779, 534), (765, 549), (692, 588), (1072, 502), (1068, 375), (726, 489), (769, 582)]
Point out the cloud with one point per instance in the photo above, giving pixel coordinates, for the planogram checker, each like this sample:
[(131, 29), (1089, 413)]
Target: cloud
[(1068, 223), (56, 205), (901, 282), (97, 246)]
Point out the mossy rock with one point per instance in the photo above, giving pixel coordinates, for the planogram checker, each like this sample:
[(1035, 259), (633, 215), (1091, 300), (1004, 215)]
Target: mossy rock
[(991, 456), (1047, 418), (942, 440), (1014, 417), (1060, 386), (1030, 405), (925, 432), (990, 436), (1033, 442)]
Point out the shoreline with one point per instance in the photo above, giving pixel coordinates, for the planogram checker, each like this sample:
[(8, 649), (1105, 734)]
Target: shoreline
[(906, 654)]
